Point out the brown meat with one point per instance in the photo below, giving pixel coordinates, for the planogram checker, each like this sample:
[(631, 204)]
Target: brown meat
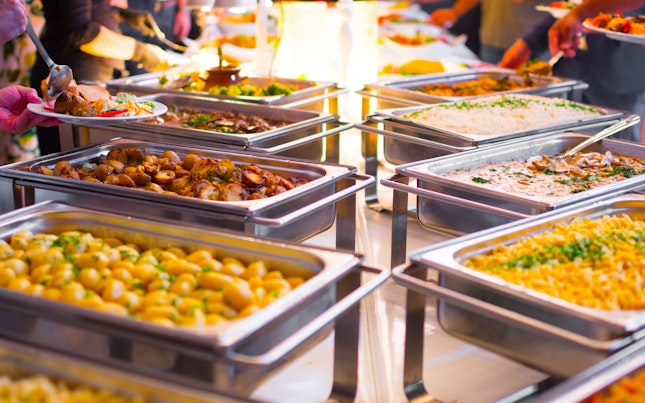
[(70, 104), (92, 93)]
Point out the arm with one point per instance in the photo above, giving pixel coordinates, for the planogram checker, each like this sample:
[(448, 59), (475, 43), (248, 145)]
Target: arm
[(182, 21), (447, 16), (565, 33), (535, 41), (13, 19), (14, 116)]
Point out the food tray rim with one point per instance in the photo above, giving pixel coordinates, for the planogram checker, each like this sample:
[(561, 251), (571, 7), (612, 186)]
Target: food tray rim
[(130, 82), (443, 258), (332, 173), (333, 264), (421, 170), (396, 114), (309, 119)]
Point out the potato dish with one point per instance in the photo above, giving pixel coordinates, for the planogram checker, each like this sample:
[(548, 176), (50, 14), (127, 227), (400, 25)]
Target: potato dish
[(169, 286), (191, 176), (596, 263)]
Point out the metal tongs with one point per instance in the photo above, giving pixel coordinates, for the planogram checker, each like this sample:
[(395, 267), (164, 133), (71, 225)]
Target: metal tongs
[(608, 131), (144, 22)]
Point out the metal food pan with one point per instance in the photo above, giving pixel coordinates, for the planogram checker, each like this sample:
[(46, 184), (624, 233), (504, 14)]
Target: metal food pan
[(234, 356), (405, 90), (19, 361), (548, 333), (480, 208), (146, 84), (605, 116), (302, 137), (596, 379), (293, 215)]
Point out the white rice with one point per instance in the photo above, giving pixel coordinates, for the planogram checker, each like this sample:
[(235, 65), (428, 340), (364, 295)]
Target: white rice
[(502, 114)]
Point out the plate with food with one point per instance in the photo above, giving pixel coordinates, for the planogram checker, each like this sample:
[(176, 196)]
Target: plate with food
[(91, 104), (618, 27), (557, 9)]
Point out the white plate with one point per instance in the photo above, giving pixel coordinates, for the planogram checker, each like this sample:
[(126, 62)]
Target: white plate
[(158, 109), (556, 12), (618, 36)]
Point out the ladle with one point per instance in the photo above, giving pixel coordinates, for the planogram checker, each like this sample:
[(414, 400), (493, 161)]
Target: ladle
[(60, 76), (608, 131)]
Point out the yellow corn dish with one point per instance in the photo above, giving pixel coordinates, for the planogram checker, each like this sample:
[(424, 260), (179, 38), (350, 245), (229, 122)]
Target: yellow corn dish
[(630, 389), (41, 389), (167, 286), (596, 263)]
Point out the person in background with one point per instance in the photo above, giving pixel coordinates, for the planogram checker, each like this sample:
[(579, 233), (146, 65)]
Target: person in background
[(172, 17), (612, 69), (565, 33), (15, 118), (501, 22), (84, 35)]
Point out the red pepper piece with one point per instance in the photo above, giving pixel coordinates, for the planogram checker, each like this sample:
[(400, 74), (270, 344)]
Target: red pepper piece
[(109, 114)]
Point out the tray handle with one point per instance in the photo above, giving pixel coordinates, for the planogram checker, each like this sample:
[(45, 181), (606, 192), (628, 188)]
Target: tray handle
[(301, 336), (490, 310), (408, 138), (390, 98), (365, 181), (389, 182), (306, 101), (342, 126)]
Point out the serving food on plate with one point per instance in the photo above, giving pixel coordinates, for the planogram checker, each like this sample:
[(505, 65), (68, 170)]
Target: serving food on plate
[(618, 27)]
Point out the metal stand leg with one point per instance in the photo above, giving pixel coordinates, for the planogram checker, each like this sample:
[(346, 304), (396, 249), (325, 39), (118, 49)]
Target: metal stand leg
[(370, 141), (413, 357), (347, 333), (346, 346), (399, 224)]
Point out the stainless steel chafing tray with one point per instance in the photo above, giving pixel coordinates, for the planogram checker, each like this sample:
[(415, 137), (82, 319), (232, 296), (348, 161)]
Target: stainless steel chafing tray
[(467, 139), (233, 357), (581, 387), (308, 95), (20, 361), (555, 336), (293, 215), (441, 199), (404, 91), (302, 137)]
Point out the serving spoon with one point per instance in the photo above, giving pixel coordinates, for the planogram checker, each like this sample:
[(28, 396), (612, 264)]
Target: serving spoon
[(608, 131), (60, 76)]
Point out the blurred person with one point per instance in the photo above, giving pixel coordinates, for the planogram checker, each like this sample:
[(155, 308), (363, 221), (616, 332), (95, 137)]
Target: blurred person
[(501, 22), (15, 119), (84, 35), (565, 33), (13, 18), (612, 69), (171, 16)]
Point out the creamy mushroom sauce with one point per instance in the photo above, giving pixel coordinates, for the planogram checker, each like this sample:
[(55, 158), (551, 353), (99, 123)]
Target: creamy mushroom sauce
[(547, 179)]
